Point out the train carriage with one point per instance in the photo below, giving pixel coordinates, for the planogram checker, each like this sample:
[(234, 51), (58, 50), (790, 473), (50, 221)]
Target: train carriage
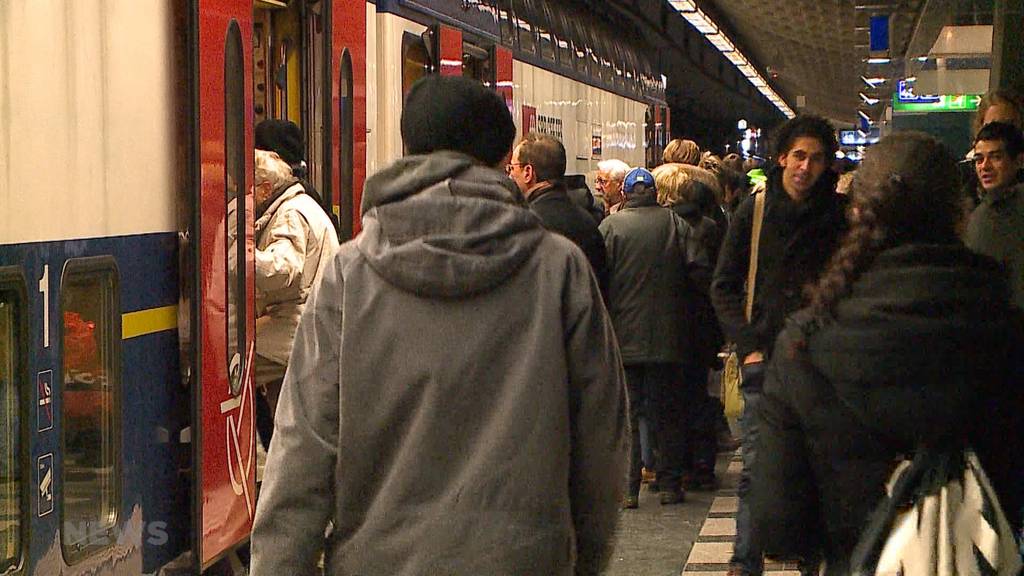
[(127, 320)]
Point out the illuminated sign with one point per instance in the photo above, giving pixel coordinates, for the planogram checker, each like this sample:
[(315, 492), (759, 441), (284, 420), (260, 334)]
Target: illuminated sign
[(858, 137), (905, 100)]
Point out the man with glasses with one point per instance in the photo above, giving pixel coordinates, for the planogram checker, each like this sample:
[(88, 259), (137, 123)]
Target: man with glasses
[(538, 168), (608, 182)]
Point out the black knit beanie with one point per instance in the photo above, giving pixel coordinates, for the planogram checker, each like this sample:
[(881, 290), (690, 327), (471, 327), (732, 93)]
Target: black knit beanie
[(457, 113), (281, 136)]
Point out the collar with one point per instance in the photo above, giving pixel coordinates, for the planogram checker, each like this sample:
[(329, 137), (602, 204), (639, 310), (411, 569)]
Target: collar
[(541, 189), (641, 201), (1002, 195)]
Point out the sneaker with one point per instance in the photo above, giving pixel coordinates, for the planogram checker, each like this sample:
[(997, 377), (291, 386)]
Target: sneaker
[(672, 497), (630, 502)]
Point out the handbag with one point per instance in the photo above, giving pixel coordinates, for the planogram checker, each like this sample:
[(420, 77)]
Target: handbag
[(732, 378), (941, 517)]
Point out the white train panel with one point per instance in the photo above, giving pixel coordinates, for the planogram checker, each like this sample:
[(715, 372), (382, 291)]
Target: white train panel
[(389, 58), (86, 85), (594, 124)]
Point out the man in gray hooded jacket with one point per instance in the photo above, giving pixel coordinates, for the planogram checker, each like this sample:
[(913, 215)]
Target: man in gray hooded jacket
[(455, 402)]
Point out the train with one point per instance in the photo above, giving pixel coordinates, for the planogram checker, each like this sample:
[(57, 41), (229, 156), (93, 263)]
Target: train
[(127, 318)]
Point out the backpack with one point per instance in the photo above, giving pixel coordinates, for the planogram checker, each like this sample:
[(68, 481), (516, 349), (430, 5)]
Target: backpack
[(941, 517)]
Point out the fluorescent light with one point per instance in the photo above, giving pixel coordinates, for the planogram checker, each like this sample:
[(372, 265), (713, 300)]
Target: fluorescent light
[(873, 82), (911, 79), (736, 58), (702, 23), (878, 60), (864, 116), (867, 99)]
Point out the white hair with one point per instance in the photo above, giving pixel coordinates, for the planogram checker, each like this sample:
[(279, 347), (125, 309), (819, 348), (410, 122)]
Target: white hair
[(271, 168), (616, 169)]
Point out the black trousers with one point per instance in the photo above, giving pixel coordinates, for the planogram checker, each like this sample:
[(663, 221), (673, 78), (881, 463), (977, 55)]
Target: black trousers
[(266, 405)]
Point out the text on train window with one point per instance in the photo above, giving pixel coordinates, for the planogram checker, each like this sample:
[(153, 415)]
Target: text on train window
[(89, 405), (11, 449)]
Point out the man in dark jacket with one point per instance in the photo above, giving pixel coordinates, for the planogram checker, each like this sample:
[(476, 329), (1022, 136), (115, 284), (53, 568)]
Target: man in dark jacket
[(654, 262), (996, 228), (803, 221), (454, 402), (538, 168)]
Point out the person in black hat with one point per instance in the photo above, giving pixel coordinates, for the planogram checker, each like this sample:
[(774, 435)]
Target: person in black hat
[(454, 401), (285, 138)]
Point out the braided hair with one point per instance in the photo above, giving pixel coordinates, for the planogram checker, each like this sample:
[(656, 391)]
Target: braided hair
[(907, 191)]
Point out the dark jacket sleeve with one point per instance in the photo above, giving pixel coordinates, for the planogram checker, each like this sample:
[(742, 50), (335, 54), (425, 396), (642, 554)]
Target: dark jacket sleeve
[(727, 288), (783, 493)]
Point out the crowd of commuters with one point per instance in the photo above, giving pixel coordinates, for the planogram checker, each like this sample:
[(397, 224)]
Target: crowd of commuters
[(480, 378)]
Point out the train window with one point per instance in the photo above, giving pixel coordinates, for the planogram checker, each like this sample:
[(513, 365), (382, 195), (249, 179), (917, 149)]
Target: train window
[(13, 503), (476, 63), (525, 33), (90, 400), (542, 23), (506, 23), (415, 60), (234, 199), (347, 149), (563, 37), (584, 50)]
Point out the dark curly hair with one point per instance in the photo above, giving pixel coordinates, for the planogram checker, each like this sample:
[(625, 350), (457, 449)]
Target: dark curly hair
[(907, 191), (806, 125)]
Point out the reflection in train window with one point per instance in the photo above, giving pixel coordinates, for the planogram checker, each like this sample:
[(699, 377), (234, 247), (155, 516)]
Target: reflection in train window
[(89, 405), (11, 386), (415, 60), (346, 148), (527, 41), (506, 23), (476, 63), (234, 198)]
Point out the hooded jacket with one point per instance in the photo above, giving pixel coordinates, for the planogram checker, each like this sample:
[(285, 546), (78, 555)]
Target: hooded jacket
[(797, 240), (294, 241), (924, 351), (455, 402)]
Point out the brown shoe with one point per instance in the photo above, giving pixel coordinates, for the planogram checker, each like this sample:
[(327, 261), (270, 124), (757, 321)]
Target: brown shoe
[(647, 476)]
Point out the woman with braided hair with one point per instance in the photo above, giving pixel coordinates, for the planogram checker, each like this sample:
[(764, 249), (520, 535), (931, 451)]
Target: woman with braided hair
[(909, 341)]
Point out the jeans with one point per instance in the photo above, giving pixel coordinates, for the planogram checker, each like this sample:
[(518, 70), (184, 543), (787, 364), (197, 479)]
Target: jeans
[(650, 388), (747, 553)]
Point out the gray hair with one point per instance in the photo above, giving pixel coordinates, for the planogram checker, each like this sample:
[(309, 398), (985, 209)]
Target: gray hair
[(271, 168), (616, 169)]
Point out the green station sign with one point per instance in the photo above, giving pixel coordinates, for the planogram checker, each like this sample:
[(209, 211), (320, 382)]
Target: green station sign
[(940, 103)]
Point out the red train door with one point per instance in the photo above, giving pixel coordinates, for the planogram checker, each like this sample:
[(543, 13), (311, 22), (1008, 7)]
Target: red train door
[(224, 455), (348, 107)]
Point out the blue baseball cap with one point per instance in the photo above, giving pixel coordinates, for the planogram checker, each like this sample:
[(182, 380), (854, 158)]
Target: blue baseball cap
[(638, 176)]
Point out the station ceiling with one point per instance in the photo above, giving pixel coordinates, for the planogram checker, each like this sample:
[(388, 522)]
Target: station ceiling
[(817, 49)]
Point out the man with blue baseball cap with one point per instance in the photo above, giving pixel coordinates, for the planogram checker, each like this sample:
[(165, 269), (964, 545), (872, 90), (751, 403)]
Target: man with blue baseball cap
[(653, 262)]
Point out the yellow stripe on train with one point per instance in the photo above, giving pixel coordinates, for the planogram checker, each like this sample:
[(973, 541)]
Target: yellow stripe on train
[(148, 321)]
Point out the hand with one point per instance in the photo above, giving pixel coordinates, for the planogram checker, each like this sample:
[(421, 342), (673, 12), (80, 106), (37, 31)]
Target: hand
[(753, 358)]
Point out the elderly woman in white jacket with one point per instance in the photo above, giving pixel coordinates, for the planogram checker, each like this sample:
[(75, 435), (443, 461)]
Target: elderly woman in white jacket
[(294, 240)]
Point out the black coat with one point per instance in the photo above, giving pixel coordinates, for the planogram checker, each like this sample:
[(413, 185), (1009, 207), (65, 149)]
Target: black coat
[(925, 350), (706, 339), (561, 215), (797, 241)]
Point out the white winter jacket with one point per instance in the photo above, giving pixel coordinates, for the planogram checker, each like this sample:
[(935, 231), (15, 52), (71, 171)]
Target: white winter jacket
[(294, 240)]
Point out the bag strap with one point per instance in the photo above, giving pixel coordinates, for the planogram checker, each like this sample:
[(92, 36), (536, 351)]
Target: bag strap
[(755, 242)]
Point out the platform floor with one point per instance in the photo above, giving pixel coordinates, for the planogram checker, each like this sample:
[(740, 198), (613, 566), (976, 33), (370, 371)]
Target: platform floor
[(689, 539)]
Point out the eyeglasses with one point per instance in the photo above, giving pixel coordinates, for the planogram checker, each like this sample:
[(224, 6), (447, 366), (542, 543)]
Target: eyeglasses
[(508, 167)]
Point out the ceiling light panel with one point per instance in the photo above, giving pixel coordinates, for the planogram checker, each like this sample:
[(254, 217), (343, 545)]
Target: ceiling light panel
[(698, 19)]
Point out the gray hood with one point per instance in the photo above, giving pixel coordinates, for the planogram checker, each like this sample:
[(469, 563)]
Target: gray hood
[(442, 225)]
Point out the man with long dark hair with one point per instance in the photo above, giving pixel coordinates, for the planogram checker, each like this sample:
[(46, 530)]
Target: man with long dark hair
[(802, 221)]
